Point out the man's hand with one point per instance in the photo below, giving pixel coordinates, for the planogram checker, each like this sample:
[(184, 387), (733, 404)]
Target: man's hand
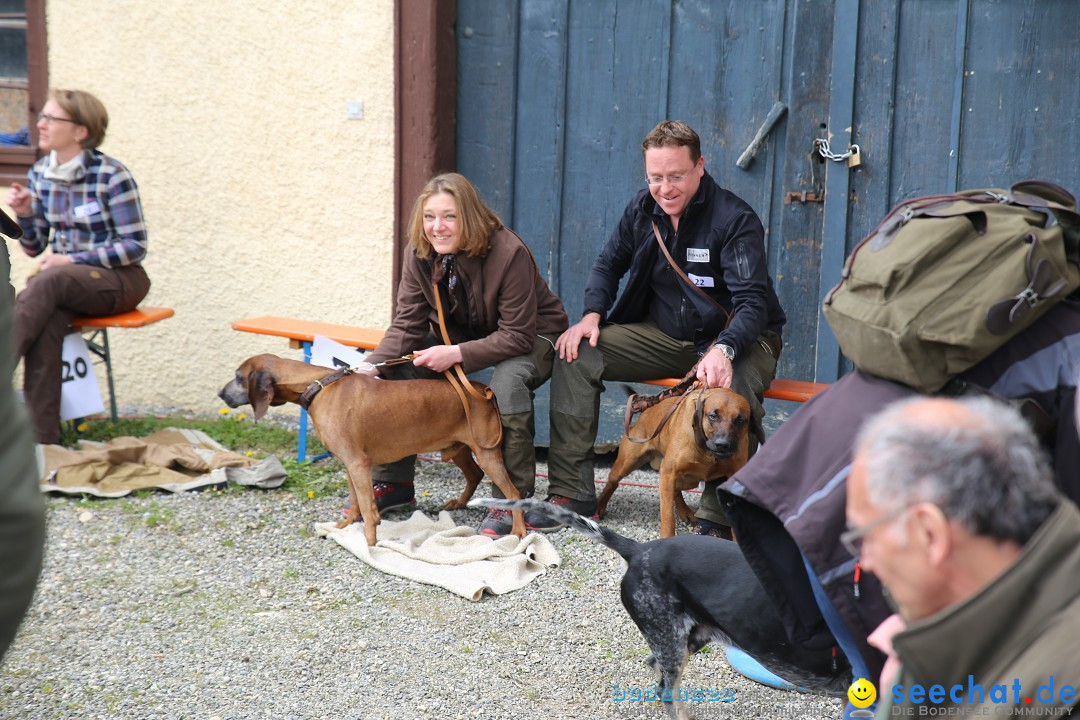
[(714, 370), (20, 200), (587, 327), (438, 358)]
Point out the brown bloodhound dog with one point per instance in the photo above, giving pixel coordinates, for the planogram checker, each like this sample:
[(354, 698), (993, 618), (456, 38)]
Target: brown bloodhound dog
[(365, 421), (706, 437)]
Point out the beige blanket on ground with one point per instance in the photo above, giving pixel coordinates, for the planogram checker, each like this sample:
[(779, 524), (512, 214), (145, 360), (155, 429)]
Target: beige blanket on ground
[(171, 459), (437, 552)]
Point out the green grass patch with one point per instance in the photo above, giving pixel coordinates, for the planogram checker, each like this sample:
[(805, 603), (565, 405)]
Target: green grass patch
[(160, 516)]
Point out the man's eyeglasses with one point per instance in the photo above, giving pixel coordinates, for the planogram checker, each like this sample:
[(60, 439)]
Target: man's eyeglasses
[(51, 119), (669, 179), (853, 539)]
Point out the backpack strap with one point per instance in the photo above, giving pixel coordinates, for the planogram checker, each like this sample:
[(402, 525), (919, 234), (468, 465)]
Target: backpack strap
[(1042, 193), (1061, 204)]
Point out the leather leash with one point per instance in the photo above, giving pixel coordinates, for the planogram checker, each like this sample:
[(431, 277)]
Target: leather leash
[(636, 403), (319, 385), (396, 361), (461, 383)]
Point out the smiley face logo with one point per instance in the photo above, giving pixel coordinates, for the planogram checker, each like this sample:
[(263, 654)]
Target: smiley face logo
[(862, 693)]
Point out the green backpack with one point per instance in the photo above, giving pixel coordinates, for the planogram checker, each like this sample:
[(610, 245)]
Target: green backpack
[(945, 280)]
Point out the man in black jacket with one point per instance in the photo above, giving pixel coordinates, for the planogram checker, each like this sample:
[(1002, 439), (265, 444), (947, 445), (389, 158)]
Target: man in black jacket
[(722, 316)]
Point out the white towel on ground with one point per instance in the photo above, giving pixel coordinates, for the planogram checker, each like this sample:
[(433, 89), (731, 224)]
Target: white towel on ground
[(456, 558)]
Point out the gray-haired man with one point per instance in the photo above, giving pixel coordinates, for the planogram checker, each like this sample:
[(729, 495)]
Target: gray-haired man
[(951, 504)]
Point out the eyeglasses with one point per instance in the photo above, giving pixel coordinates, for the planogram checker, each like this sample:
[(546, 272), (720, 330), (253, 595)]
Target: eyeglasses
[(669, 179), (50, 119), (853, 539)]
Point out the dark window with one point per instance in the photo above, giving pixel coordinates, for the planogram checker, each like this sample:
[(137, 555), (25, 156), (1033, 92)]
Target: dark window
[(24, 83)]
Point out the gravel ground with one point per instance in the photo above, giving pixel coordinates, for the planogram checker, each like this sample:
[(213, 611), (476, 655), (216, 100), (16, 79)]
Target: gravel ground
[(226, 606)]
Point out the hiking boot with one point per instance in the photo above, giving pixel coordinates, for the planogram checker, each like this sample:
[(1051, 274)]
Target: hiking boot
[(711, 529), (543, 523), (498, 522), (393, 495)]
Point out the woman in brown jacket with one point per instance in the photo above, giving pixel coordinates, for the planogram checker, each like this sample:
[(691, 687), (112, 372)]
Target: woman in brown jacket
[(499, 313)]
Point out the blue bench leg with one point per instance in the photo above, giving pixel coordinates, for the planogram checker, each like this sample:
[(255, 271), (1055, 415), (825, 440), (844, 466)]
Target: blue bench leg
[(301, 443)]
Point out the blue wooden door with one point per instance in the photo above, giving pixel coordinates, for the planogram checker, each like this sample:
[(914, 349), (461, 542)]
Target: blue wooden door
[(555, 97)]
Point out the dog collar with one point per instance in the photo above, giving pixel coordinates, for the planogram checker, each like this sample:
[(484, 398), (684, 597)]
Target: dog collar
[(319, 385)]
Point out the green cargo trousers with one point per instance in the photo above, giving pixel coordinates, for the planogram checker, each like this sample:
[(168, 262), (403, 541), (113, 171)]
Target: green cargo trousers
[(514, 382), (22, 510), (634, 352)]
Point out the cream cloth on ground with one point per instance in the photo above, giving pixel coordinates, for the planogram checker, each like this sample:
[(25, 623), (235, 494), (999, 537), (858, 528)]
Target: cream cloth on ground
[(173, 459), (437, 552)]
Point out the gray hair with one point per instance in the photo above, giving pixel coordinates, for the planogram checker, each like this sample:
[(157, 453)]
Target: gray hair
[(987, 472)]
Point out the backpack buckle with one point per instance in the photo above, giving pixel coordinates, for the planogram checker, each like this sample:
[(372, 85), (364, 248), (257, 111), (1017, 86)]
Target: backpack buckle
[(1028, 295)]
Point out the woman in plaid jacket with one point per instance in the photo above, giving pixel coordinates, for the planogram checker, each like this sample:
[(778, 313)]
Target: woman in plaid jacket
[(85, 207)]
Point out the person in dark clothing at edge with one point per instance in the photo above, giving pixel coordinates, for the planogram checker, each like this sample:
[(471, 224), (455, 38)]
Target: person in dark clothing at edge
[(22, 510), (787, 504), (660, 326)]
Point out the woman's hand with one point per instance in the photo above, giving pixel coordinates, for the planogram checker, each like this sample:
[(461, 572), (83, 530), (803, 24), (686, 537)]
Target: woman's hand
[(438, 358), (54, 260), (20, 200)]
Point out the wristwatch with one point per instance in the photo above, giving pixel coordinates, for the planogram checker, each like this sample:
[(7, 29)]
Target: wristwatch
[(729, 352)]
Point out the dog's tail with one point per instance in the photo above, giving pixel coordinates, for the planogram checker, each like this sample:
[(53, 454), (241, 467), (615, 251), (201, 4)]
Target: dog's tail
[(593, 530)]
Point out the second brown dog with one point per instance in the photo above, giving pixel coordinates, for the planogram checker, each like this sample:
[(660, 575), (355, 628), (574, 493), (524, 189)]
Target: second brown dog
[(364, 421), (705, 438)]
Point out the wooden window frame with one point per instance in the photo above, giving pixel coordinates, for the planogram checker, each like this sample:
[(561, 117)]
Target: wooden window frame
[(15, 161), (425, 98)]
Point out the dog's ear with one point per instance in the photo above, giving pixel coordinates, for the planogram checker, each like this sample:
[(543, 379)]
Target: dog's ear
[(698, 416), (758, 429), (260, 392)]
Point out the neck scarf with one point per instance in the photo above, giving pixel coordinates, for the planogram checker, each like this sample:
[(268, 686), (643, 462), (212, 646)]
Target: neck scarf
[(63, 172), (446, 269)]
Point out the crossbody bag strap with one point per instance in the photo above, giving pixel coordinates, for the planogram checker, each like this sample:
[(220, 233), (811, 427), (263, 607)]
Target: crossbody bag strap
[(461, 383), (688, 281)]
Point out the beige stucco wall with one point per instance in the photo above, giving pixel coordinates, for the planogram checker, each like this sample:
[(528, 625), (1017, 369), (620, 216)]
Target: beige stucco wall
[(261, 196)]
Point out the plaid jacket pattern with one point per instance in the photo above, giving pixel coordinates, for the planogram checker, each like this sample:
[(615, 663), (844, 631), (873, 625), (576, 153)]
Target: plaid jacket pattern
[(96, 219)]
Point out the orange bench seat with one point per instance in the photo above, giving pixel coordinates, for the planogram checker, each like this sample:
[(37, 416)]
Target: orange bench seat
[(98, 341)]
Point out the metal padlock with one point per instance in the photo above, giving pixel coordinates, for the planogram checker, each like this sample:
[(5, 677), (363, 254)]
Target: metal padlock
[(855, 158)]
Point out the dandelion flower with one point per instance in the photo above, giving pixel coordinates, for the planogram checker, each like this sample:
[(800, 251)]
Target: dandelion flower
[(311, 494), (223, 411)]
